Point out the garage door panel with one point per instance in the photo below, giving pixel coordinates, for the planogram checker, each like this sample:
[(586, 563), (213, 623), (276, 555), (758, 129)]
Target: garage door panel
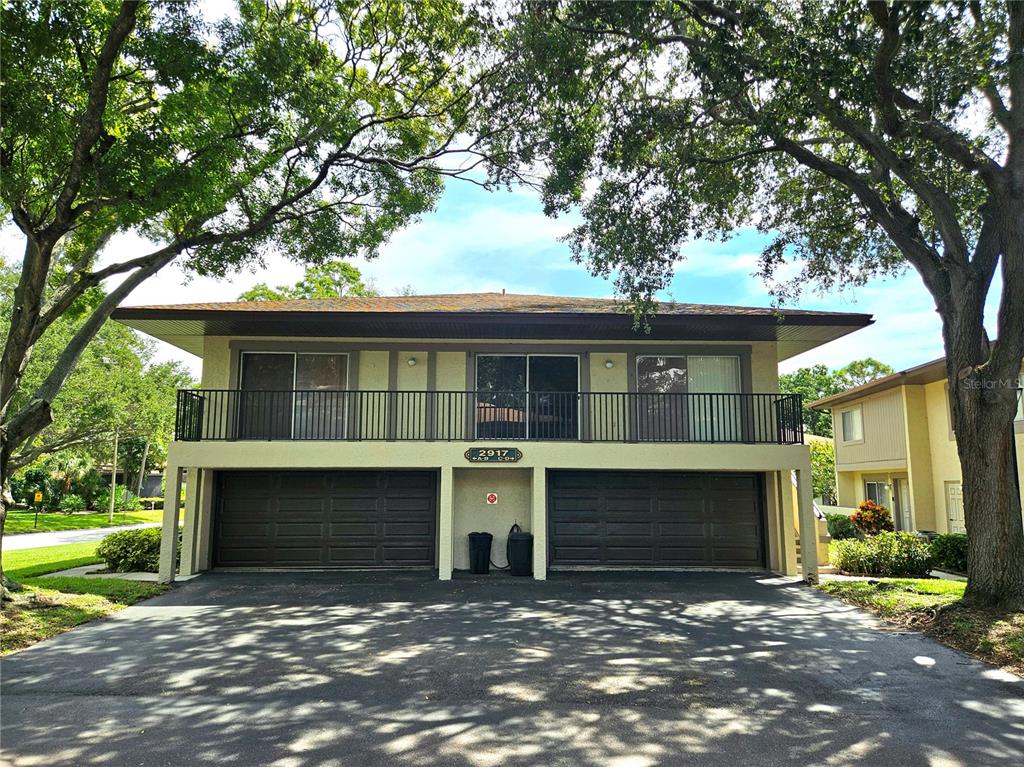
[(634, 528), (397, 556), (655, 519), (575, 528), (293, 529), (395, 529), (681, 529), (328, 518), (353, 529), (642, 555)]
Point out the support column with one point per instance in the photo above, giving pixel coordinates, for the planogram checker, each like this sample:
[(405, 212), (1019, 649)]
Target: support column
[(203, 542), (445, 523), (784, 491), (808, 524), (190, 527), (539, 523), (169, 531), (776, 549)]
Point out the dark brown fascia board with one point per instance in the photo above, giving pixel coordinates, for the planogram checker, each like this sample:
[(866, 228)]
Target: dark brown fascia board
[(143, 313)]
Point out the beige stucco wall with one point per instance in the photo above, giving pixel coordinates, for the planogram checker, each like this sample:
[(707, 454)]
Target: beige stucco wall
[(884, 444), (450, 371), (472, 513), (764, 366), (216, 363), (942, 455), (373, 371)]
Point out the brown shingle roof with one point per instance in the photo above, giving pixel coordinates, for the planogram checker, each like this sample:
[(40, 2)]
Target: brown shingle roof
[(478, 303)]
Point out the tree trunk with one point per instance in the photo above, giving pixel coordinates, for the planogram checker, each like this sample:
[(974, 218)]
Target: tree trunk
[(6, 586), (983, 419), (142, 468)]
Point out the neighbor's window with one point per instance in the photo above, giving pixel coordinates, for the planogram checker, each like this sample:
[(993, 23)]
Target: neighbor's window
[(877, 492), (853, 426), (1020, 399)]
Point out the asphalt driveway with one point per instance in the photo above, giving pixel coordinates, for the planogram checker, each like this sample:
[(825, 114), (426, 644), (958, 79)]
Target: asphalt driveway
[(612, 669)]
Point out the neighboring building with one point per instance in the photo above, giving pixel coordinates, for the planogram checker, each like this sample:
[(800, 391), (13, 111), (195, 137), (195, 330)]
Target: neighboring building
[(895, 445), (347, 432)]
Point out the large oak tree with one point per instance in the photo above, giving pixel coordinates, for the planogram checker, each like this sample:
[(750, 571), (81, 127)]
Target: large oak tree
[(314, 128), (867, 137)]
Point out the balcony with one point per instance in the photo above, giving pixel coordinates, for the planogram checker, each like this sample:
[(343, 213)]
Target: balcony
[(232, 415)]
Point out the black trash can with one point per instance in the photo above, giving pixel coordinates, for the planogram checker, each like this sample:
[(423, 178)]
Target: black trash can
[(480, 553), (520, 553)]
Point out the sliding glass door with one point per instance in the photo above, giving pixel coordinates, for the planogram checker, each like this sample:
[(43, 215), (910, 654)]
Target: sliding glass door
[(714, 418), (527, 396), (266, 400), (664, 414), (288, 395)]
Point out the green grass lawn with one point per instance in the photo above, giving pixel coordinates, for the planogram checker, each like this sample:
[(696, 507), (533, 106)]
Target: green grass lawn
[(936, 607), (50, 605), (21, 521)]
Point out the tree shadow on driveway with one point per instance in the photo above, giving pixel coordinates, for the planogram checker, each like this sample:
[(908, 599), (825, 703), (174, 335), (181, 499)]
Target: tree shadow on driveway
[(616, 669)]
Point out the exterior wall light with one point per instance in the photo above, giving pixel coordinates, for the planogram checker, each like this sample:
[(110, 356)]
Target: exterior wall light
[(609, 364), (412, 362)]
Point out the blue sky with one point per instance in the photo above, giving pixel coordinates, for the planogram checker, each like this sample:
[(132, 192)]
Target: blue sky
[(478, 241)]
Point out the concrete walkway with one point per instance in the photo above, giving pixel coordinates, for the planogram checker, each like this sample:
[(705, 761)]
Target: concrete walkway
[(61, 537), (390, 669)]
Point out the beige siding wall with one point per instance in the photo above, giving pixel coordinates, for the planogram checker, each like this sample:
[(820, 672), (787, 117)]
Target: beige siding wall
[(884, 445)]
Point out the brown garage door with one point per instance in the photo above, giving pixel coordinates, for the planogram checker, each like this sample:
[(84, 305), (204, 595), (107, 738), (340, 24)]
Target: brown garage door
[(652, 519), (325, 519)]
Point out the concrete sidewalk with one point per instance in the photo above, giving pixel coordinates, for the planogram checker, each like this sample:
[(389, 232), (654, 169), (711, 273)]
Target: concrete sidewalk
[(61, 537)]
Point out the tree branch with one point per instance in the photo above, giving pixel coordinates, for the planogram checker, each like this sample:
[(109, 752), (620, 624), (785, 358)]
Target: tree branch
[(91, 121)]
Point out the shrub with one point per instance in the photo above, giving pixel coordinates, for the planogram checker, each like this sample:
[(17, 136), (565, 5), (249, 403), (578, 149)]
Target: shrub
[(872, 519), (152, 503), (840, 527), (949, 552), (71, 503), (91, 485), (131, 550), (25, 484), (888, 554), (124, 500)]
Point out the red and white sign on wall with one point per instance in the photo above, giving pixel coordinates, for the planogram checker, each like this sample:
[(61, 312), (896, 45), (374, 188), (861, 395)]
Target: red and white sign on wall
[(492, 499)]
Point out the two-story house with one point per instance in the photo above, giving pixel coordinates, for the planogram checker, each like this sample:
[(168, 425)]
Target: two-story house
[(894, 445), (379, 432)]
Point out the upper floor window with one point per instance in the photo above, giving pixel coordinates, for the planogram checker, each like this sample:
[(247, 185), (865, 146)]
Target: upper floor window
[(853, 425)]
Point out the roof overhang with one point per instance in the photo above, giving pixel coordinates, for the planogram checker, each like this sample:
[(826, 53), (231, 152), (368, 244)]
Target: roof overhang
[(185, 327), (926, 373)]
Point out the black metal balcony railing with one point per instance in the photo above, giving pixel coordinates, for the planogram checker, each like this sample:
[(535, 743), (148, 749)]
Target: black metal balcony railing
[(230, 414)]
